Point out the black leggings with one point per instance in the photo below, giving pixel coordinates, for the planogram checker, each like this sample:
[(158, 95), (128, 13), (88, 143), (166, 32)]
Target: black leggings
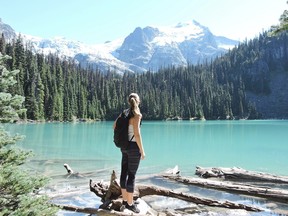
[(129, 165)]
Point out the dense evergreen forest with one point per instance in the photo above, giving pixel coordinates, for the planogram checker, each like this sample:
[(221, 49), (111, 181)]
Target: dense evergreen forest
[(57, 89)]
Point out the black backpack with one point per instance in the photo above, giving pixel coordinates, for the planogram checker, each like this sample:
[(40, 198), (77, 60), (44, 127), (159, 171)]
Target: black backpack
[(121, 129)]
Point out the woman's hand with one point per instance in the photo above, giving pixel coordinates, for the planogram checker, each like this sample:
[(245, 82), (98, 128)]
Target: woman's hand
[(142, 155)]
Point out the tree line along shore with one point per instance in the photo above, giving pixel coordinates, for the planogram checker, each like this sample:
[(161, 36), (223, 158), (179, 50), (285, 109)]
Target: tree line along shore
[(58, 89)]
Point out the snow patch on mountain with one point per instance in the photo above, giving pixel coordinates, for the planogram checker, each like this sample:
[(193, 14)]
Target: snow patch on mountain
[(65, 47), (148, 48), (98, 56), (178, 33), (186, 43)]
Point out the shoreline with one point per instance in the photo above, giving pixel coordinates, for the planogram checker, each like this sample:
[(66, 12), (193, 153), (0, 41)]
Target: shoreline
[(81, 196), (146, 120)]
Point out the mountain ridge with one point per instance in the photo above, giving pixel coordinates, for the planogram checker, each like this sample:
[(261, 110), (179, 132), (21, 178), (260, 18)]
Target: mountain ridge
[(144, 49)]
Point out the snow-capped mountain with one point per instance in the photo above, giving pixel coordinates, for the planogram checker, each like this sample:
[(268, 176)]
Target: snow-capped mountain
[(7, 31), (99, 55), (144, 49), (155, 47)]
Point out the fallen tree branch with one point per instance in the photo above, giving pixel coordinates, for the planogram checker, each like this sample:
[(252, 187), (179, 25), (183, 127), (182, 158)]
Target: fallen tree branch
[(239, 174), (264, 192)]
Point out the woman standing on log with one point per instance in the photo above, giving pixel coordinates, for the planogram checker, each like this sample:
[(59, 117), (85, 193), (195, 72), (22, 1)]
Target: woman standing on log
[(132, 155)]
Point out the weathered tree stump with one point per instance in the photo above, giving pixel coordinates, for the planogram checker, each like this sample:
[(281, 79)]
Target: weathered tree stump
[(239, 174), (108, 194)]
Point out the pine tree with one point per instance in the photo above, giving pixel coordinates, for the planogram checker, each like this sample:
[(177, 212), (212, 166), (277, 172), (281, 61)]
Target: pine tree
[(283, 26), (2, 44), (17, 186), (10, 106)]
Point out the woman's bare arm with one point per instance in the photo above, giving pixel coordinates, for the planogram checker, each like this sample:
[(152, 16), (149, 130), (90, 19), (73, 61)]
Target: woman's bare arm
[(137, 134)]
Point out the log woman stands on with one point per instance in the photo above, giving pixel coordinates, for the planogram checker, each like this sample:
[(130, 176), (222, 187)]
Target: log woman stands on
[(132, 155)]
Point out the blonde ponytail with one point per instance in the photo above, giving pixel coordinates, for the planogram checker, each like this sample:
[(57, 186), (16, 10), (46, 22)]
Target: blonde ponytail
[(134, 102)]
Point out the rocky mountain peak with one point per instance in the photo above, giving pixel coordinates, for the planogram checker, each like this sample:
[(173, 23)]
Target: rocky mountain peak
[(7, 31), (155, 47), (148, 48)]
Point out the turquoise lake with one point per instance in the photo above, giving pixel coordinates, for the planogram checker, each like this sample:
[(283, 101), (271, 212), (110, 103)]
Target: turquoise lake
[(89, 149)]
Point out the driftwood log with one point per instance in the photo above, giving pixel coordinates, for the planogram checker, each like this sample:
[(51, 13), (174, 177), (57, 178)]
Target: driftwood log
[(101, 190), (275, 194), (85, 210), (71, 173), (98, 211), (239, 174)]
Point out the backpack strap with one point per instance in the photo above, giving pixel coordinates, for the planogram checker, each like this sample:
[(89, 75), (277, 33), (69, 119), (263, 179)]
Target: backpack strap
[(131, 138), (125, 112)]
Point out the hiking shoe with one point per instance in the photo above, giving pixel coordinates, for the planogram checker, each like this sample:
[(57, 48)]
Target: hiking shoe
[(132, 208), (136, 202)]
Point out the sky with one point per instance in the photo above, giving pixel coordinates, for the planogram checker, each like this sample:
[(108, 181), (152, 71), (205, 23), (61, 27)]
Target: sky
[(98, 21)]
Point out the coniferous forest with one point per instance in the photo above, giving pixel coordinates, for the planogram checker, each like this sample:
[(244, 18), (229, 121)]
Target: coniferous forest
[(57, 89)]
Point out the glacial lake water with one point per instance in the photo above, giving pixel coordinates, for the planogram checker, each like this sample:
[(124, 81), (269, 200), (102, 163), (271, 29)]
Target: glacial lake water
[(89, 149)]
